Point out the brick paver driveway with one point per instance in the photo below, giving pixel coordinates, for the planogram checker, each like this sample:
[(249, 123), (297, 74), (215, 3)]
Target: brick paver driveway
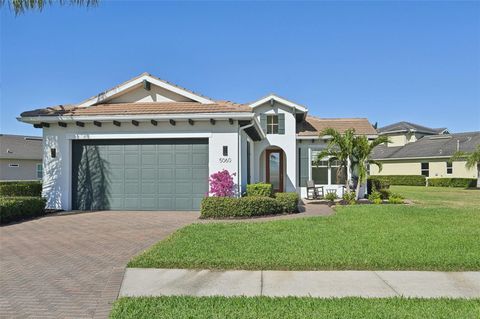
[(72, 266)]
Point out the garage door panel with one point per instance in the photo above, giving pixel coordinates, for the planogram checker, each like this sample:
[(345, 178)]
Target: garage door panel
[(156, 174), (183, 203)]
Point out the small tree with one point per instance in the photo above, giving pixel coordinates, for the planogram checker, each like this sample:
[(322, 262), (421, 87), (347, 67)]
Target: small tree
[(340, 148), (362, 151), (222, 184), (472, 160), (20, 6)]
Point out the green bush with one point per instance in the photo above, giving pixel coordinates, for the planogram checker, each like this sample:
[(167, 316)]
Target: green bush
[(331, 196), (384, 193), (221, 207), (260, 189), (289, 202), (452, 182), (395, 198), (29, 189), (375, 184), (408, 180), (375, 197), (349, 198), (18, 208)]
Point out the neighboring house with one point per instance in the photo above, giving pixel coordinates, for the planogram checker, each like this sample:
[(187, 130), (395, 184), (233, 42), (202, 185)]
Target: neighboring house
[(419, 150), (150, 145), (20, 157)]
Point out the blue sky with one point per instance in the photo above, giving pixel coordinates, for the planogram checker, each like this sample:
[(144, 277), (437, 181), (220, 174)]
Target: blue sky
[(387, 61)]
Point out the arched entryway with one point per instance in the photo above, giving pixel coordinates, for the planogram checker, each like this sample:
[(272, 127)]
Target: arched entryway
[(273, 164)]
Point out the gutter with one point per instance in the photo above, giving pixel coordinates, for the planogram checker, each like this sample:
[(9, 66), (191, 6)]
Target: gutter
[(411, 158), (146, 117)]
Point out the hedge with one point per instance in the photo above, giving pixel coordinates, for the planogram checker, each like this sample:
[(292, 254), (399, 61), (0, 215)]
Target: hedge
[(374, 184), (409, 180), (452, 182), (29, 189), (18, 208), (220, 207), (289, 201), (259, 189)]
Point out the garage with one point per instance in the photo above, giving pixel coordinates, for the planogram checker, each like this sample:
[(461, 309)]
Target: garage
[(139, 174)]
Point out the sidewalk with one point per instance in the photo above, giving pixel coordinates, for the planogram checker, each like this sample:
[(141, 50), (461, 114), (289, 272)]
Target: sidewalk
[(324, 284)]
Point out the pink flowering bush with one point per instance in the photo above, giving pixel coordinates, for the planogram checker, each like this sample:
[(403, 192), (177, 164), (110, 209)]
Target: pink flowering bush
[(221, 184)]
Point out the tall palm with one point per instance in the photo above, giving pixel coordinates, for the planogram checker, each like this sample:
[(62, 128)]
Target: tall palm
[(339, 148), (20, 6), (472, 160), (361, 157)]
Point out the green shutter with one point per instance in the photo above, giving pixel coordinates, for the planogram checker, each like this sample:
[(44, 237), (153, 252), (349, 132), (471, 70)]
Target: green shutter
[(303, 166), (263, 122), (281, 123)]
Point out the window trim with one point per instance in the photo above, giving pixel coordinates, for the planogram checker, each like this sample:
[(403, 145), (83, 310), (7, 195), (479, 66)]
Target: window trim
[(39, 165), (271, 126)]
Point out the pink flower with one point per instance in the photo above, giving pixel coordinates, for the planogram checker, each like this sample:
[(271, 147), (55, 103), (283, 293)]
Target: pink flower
[(221, 184)]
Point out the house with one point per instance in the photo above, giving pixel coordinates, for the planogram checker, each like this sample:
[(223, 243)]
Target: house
[(20, 157), (147, 144), (419, 150)]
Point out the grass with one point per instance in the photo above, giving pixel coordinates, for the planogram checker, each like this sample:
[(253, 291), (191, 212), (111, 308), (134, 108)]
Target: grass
[(289, 308), (362, 237), (440, 196)]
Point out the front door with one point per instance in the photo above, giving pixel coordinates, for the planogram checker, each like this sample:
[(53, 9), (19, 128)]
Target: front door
[(274, 167)]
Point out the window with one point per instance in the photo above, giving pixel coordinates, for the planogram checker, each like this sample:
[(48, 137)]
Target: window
[(449, 168), (425, 169), (39, 171), (339, 175), (320, 172), (13, 165), (272, 124)]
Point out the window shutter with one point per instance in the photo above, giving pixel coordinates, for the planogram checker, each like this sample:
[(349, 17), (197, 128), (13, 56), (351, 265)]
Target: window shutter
[(281, 123), (303, 166), (263, 122)]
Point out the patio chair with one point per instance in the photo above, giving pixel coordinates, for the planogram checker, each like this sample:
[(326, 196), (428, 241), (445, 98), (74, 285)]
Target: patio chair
[(314, 192)]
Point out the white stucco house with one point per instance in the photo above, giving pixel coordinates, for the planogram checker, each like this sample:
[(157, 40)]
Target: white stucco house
[(147, 144)]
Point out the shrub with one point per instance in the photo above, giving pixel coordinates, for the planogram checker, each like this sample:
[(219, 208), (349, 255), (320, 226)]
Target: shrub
[(221, 207), (375, 197), (349, 198), (259, 189), (452, 182), (409, 180), (331, 196), (384, 193), (221, 184), (375, 184), (289, 202), (18, 208), (30, 189)]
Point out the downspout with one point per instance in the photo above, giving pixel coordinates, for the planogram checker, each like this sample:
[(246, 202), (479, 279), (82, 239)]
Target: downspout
[(241, 128)]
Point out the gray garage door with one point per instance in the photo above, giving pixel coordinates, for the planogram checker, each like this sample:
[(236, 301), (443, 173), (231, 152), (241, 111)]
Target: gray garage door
[(150, 174)]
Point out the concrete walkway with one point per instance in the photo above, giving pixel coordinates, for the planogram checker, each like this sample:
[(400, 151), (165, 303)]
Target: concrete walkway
[(324, 284)]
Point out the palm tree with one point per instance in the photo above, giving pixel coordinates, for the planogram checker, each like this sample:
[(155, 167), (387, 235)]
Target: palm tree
[(472, 160), (20, 6), (362, 151), (340, 148)]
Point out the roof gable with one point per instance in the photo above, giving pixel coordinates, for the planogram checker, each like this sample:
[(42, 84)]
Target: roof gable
[(133, 91), (273, 97)]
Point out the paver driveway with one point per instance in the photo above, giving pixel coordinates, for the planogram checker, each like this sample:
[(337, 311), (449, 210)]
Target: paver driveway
[(71, 266)]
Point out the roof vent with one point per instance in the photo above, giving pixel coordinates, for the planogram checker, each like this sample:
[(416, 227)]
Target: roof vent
[(9, 151)]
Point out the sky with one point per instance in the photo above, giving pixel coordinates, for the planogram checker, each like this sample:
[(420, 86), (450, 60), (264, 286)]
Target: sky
[(383, 60)]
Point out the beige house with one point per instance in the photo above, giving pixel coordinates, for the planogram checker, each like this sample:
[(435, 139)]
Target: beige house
[(20, 157), (419, 150)]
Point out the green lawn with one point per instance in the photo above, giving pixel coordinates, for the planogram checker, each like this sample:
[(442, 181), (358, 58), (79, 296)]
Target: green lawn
[(286, 308), (424, 236)]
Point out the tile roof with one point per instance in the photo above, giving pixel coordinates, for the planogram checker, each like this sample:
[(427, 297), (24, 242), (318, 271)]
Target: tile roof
[(140, 108), (408, 126), (20, 147), (430, 146), (312, 126)]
